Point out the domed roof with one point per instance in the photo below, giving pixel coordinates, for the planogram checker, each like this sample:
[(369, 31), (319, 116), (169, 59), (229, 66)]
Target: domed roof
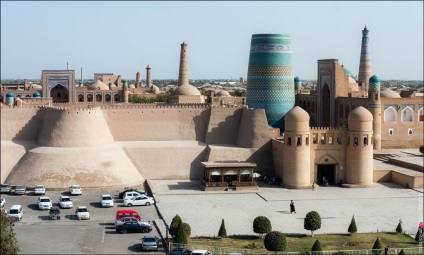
[(99, 85), (81, 84), (374, 82), (156, 89), (360, 114), (36, 94), (10, 94), (132, 86), (36, 86), (187, 90), (223, 93), (296, 114), (386, 92), (352, 80), (349, 73), (297, 79)]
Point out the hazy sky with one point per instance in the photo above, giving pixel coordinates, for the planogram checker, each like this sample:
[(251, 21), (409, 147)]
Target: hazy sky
[(124, 37)]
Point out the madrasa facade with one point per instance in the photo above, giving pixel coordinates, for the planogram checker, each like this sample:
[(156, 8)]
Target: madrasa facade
[(58, 133)]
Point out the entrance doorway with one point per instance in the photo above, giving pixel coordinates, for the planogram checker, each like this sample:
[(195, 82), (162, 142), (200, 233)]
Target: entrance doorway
[(327, 171), (59, 94)]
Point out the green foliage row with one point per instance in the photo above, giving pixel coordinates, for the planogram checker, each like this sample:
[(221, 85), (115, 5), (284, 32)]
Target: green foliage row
[(137, 99)]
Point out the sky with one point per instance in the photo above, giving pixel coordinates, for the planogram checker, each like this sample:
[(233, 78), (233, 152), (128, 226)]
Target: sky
[(124, 37)]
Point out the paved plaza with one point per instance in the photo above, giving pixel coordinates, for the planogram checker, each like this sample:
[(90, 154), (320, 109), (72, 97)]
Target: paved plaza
[(378, 208)]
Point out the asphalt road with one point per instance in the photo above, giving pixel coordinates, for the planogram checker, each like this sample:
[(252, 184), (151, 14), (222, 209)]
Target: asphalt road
[(37, 234)]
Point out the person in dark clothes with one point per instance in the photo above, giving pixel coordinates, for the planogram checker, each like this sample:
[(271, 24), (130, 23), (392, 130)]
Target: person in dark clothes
[(386, 250), (292, 209)]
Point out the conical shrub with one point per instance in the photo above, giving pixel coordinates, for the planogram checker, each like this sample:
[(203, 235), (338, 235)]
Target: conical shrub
[(352, 227), (222, 231), (316, 246), (401, 252), (399, 228), (377, 247)]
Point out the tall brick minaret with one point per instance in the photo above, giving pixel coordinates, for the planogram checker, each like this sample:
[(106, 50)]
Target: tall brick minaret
[(148, 78), (138, 79), (183, 73), (365, 62)]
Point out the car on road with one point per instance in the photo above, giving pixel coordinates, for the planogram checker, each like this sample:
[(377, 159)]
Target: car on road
[(201, 252), (54, 213), (139, 200), (20, 190), (3, 201), (65, 202), (5, 188), (149, 243), (180, 251), (106, 200), (39, 190), (82, 213), (133, 227), (132, 194), (75, 190), (132, 219), (122, 193), (44, 203), (16, 212)]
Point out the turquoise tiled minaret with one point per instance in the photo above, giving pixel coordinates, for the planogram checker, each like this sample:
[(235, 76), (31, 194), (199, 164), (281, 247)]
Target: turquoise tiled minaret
[(365, 61), (270, 79), (374, 106)]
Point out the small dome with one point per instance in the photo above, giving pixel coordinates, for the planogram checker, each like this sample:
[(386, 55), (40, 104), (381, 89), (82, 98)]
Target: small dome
[(374, 82), (99, 85), (360, 114), (10, 94), (349, 73), (296, 114), (132, 86), (81, 84), (223, 93), (36, 86), (297, 79), (36, 94), (352, 80), (388, 93), (187, 90)]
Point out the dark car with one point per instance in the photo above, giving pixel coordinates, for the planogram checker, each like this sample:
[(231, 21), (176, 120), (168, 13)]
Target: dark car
[(54, 213), (180, 251), (121, 194), (133, 227)]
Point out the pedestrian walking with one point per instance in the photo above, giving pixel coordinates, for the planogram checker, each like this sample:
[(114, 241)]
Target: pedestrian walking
[(313, 186), (386, 250), (292, 209)]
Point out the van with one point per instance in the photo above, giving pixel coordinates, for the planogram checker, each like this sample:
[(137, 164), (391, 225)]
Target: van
[(16, 212), (127, 213)]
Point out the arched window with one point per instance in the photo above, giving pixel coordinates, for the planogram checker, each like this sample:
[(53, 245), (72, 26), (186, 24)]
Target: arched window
[(390, 114), (80, 98), (421, 114), (98, 97), (347, 110), (307, 140), (89, 98), (407, 114), (117, 98), (308, 106), (365, 140), (289, 141), (107, 98), (28, 96), (355, 141), (299, 140), (341, 111)]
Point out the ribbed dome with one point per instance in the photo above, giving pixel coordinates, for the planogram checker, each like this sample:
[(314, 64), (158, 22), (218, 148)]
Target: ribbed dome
[(187, 90), (98, 85), (296, 114), (223, 93), (360, 114), (36, 94), (386, 92), (10, 94)]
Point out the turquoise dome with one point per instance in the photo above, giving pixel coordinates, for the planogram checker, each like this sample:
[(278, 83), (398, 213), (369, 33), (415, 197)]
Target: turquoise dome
[(10, 94), (36, 94), (349, 73), (374, 82), (297, 79), (81, 83)]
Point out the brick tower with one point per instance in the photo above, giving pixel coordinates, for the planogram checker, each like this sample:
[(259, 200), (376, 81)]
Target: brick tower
[(148, 78), (365, 62), (183, 73)]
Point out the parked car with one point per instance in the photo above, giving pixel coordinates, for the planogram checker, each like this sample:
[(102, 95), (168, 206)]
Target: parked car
[(3, 201), (126, 213), (16, 212), (132, 219), (133, 227), (139, 200), (121, 194), (20, 190), (65, 202), (75, 190), (5, 188), (54, 213), (149, 243), (106, 201), (44, 203), (82, 213), (180, 251), (201, 252), (132, 194), (39, 190)]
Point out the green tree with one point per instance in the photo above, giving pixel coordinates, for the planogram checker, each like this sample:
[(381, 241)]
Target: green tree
[(261, 225), (9, 243), (418, 235), (316, 246), (187, 229), (401, 252), (222, 231), (377, 248), (399, 228), (180, 236), (275, 241), (176, 221), (312, 221), (352, 227)]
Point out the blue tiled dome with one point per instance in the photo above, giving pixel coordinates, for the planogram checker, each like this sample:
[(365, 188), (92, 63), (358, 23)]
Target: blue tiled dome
[(297, 79), (36, 94), (374, 82), (348, 72), (10, 94)]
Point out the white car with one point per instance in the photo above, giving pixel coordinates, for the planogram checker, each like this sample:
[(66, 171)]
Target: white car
[(65, 202), (3, 201), (139, 200), (75, 190), (82, 213), (106, 201), (39, 190), (44, 203), (132, 194), (201, 252)]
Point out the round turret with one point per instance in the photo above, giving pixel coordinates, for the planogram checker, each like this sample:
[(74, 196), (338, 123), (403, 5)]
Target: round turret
[(374, 83), (360, 119), (10, 98), (36, 94), (10, 94), (297, 119)]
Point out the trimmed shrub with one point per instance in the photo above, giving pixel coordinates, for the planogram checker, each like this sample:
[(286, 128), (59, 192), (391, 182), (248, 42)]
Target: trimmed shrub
[(222, 231), (275, 241), (418, 235), (187, 229), (377, 247), (352, 227), (316, 246), (399, 228), (401, 252), (180, 236), (261, 225), (340, 253), (312, 221), (174, 225)]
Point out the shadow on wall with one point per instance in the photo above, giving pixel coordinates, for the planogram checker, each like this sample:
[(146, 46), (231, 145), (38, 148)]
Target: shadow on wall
[(226, 131), (201, 123), (263, 159), (32, 128), (196, 170)]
